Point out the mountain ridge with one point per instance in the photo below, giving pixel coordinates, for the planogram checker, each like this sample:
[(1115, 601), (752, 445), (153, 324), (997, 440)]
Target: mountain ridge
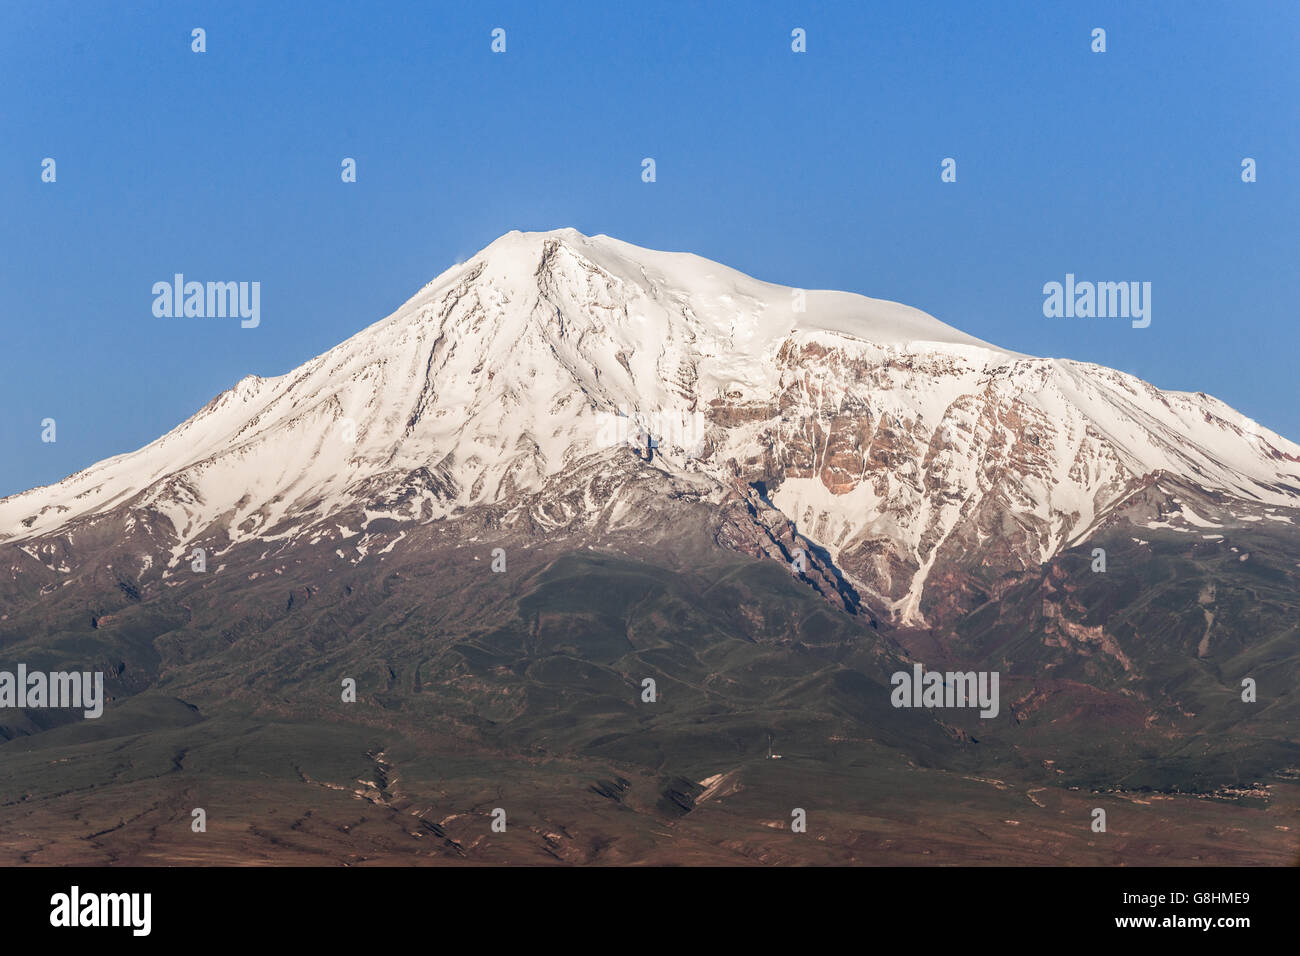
[(890, 440)]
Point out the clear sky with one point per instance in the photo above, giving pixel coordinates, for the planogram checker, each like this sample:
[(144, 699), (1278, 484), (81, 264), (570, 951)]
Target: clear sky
[(819, 170)]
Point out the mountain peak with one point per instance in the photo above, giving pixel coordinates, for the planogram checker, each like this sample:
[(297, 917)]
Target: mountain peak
[(517, 241), (721, 297)]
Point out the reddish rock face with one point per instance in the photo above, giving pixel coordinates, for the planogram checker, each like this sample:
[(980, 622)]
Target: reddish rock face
[(956, 481)]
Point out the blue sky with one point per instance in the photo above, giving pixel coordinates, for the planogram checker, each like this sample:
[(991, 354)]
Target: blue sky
[(819, 170)]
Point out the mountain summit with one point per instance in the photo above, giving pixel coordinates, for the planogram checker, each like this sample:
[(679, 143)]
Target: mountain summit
[(539, 385)]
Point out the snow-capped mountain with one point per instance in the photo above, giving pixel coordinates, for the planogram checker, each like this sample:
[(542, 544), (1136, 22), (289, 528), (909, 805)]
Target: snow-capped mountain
[(520, 381)]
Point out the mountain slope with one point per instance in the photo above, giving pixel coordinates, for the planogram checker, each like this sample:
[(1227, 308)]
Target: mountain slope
[(893, 442), (459, 509)]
